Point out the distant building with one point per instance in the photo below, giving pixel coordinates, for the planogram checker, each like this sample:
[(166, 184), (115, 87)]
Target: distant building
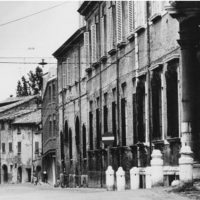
[(50, 139), (20, 136)]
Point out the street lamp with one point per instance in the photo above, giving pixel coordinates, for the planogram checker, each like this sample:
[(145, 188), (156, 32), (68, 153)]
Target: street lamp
[(42, 63)]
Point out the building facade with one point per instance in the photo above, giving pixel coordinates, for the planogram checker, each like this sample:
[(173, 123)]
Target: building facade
[(72, 100), (21, 145), (137, 89), (51, 143)]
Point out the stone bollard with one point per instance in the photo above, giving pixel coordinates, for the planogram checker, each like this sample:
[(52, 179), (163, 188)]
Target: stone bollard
[(148, 177), (186, 165), (134, 178), (120, 174), (110, 178), (156, 168)]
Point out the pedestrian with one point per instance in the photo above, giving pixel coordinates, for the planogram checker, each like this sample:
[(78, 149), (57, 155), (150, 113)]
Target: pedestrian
[(45, 176)]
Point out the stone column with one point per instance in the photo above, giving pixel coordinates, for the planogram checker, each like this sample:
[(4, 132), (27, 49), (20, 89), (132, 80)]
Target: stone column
[(189, 37), (156, 168)]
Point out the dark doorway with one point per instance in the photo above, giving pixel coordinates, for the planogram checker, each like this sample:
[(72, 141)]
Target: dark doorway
[(70, 143), (77, 134), (5, 174), (28, 170), (19, 175), (66, 132), (84, 142)]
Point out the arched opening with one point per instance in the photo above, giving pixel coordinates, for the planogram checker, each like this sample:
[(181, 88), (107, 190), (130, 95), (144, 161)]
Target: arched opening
[(19, 175), (77, 134), (84, 141), (66, 136), (70, 143), (38, 171), (5, 173), (62, 150)]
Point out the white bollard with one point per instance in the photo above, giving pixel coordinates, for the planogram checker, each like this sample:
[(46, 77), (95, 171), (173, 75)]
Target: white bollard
[(134, 178), (120, 174), (110, 178), (148, 177), (156, 168), (186, 165)]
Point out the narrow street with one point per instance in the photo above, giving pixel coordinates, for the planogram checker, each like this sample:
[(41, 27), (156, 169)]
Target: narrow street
[(43, 192)]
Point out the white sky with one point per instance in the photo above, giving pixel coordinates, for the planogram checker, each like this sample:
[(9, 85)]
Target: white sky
[(37, 36)]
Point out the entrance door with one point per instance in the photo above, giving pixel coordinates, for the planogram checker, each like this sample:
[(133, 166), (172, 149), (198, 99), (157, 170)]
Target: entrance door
[(19, 175), (28, 170), (5, 174)]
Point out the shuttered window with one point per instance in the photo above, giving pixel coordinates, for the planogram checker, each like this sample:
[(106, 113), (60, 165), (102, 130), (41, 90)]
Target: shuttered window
[(59, 78), (130, 17), (64, 72), (119, 21), (76, 72), (93, 43), (87, 48), (102, 37), (69, 72), (140, 13)]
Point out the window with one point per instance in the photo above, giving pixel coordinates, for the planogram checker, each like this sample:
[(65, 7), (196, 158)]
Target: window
[(172, 101), (76, 71), (54, 125), (18, 130), (130, 17), (70, 144), (50, 127), (103, 31), (156, 105), (3, 148), (2, 126), (119, 21), (19, 150), (84, 142), (54, 91), (87, 48), (10, 147), (64, 73), (123, 119), (36, 147), (93, 43), (50, 93)]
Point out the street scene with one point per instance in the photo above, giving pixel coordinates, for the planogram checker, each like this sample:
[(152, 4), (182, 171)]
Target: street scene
[(100, 99)]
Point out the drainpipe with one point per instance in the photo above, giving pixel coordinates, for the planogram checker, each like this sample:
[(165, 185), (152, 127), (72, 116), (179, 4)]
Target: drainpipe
[(149, 79), (80, 108)]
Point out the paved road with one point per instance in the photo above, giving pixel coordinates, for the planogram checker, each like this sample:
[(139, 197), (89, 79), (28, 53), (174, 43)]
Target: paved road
[(30, 192)]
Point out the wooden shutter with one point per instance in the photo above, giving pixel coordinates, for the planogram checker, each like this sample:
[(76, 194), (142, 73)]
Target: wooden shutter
[(93, 41), (68, 71), (102, 37), (119, 21), (87, 48), (130, 17), (76, 66), (63, 74)]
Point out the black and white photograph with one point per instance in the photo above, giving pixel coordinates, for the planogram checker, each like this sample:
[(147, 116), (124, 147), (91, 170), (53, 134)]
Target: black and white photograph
[(99, 100)]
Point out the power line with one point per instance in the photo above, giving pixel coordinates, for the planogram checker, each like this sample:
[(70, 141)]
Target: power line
[(36, 13)]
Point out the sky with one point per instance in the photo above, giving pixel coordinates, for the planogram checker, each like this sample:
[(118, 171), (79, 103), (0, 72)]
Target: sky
[(30, 39)]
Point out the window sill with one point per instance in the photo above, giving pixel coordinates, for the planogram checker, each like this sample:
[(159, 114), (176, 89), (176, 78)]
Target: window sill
[(131, 37), (103, 59), (96, 64), (112, 52), (121, 45), (139, 29), (154, 18), (88, 69), (173, 139)]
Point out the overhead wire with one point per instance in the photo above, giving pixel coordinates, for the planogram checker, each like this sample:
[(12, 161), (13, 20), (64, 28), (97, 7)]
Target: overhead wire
[(30, 15)]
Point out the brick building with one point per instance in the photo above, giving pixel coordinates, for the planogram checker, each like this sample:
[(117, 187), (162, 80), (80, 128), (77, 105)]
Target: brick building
[(21, 146), (137, 88), (72, 101), (50, 139)]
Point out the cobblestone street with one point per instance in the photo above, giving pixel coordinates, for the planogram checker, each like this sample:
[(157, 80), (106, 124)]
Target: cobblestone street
[(43, 192)]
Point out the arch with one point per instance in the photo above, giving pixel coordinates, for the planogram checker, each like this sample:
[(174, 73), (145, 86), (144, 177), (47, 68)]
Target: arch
[(19, 174), (84, 141), (77, 130), (70, 143), (5, 173), (66, 136)]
